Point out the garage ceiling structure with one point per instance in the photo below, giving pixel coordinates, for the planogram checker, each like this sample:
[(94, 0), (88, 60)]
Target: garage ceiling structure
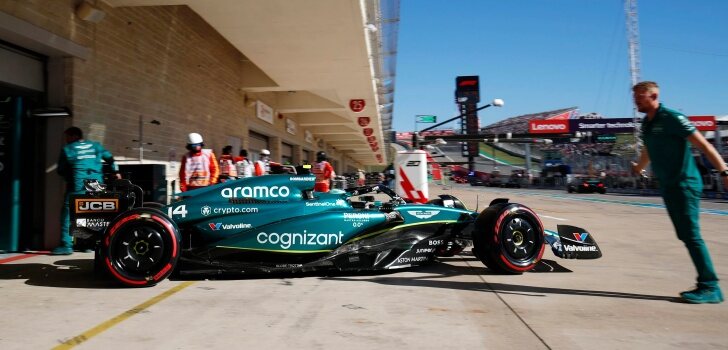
[(315, 56)]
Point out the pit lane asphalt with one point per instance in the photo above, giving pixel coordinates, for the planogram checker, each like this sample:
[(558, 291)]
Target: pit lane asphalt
[(625, 300)]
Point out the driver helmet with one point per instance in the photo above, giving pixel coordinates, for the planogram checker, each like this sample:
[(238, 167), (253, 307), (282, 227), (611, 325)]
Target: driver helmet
[(264, 153)]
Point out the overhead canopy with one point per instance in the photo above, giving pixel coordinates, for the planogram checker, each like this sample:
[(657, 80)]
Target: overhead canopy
[(315, 56)]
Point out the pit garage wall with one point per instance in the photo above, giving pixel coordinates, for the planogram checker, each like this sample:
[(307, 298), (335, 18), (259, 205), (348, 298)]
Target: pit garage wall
[(162, 63)]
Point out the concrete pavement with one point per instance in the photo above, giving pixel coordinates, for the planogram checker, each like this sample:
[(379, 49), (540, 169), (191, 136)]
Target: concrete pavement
[(626, 300)]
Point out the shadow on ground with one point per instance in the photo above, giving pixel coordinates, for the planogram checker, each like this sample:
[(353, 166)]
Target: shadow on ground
[(68, 273), (433, 275)]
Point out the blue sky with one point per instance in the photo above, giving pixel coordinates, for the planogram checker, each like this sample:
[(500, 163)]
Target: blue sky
[(545, 55)]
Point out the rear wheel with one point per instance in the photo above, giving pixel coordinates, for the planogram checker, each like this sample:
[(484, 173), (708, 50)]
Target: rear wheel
[(141, 247), (509, 238)]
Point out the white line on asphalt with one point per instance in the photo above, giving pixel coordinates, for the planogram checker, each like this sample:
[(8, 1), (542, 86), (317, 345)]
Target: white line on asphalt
[(551, 217)]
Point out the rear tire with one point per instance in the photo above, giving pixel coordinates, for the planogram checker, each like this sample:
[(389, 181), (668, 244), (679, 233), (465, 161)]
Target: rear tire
[(141, 247), (509, 238)]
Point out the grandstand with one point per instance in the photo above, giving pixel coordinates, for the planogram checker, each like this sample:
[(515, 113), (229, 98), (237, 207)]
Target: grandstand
[(519, 124)]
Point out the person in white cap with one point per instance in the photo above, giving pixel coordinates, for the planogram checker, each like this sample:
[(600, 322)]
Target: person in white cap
[(262, 165), (199, 167)]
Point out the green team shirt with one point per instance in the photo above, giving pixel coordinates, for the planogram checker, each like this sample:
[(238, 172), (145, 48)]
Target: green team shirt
[(81, 160), (665, 137)]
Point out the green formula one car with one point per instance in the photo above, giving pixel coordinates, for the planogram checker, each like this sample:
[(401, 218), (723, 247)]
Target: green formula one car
[(277, 223)]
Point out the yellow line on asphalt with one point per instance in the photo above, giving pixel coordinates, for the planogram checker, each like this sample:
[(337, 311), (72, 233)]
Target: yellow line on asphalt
[(81, 338)]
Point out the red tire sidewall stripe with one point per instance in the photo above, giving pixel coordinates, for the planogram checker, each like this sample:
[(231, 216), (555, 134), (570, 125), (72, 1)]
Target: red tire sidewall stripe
[(122, 278), (497, 231), (161, 273), (171, 231)]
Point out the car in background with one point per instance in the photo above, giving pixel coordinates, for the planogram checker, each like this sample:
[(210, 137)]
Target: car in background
[(586, 185)]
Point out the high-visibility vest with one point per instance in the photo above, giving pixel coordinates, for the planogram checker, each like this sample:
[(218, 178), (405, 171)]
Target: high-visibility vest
[(244, 168), (197, 169), (227, 168)]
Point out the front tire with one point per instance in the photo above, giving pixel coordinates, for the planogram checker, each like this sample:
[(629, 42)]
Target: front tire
[(141, 247), (509, 238)]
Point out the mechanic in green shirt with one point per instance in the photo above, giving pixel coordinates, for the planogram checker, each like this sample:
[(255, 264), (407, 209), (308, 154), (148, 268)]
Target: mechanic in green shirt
[(666, 134), (79, 160)]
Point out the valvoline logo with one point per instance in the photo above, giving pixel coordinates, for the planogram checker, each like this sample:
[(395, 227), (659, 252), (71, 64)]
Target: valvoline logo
[(581, 237), (215, 225)]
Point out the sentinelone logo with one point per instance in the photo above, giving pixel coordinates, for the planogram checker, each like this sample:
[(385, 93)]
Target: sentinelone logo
[(256, 192), (286, 240)]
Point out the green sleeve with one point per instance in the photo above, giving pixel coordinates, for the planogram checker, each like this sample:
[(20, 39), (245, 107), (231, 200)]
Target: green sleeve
[(681, 126)]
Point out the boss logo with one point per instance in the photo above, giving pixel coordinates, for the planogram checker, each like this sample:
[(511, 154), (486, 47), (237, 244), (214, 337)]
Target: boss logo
[(413, 163), (96, 205)]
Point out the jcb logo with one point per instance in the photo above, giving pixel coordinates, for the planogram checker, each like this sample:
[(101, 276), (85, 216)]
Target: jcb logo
[(96, 205), (413, 163)]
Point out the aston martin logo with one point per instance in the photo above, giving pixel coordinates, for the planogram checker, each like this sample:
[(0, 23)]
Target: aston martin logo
[(423, 214)]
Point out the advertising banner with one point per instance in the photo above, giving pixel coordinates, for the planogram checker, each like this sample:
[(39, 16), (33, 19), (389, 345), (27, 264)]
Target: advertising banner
[(606, 125), (557, 126), (703, 122)]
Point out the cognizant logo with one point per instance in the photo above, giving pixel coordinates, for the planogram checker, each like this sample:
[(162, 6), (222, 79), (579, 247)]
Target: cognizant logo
[(286, 240), (257, 192)]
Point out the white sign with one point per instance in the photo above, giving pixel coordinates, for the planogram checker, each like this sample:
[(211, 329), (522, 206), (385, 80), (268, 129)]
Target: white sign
[(264, 112), (291, 126), (308, 136), (411, 176)]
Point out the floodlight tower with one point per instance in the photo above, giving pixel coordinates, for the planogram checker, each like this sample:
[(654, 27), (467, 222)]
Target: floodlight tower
[(633, 42)]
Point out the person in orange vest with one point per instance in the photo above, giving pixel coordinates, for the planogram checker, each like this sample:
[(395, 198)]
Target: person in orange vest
[(324, 172), (227, 165), (199, 166), (262, 165)]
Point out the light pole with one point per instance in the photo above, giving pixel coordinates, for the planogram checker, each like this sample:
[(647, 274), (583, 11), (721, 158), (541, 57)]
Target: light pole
[(415, 139)]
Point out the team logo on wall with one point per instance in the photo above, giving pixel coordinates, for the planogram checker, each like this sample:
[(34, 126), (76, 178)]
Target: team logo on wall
[(363, 121), (357, 105), (368, 131)]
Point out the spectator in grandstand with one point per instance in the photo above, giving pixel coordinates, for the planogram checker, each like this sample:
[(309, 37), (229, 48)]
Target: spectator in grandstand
[(666, 134)]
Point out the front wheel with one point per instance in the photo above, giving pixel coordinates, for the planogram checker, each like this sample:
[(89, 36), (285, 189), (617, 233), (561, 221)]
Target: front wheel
[(141, 247), (509, 238)]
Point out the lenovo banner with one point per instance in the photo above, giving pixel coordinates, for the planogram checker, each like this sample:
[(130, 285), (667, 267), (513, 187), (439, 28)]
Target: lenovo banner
[(548, 126), (703, 122)]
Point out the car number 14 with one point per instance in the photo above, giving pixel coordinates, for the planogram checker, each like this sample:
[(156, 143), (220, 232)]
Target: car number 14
[(180, 210)]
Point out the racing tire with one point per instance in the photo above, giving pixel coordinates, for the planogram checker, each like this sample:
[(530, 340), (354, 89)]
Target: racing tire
[(509, 238), (141, 247)]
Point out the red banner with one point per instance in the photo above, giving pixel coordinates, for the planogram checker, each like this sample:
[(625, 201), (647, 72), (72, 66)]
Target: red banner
[(703, 122), (558, 126)]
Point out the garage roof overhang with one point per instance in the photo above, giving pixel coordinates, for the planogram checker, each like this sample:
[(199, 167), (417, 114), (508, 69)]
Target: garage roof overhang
[(314, 56)]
